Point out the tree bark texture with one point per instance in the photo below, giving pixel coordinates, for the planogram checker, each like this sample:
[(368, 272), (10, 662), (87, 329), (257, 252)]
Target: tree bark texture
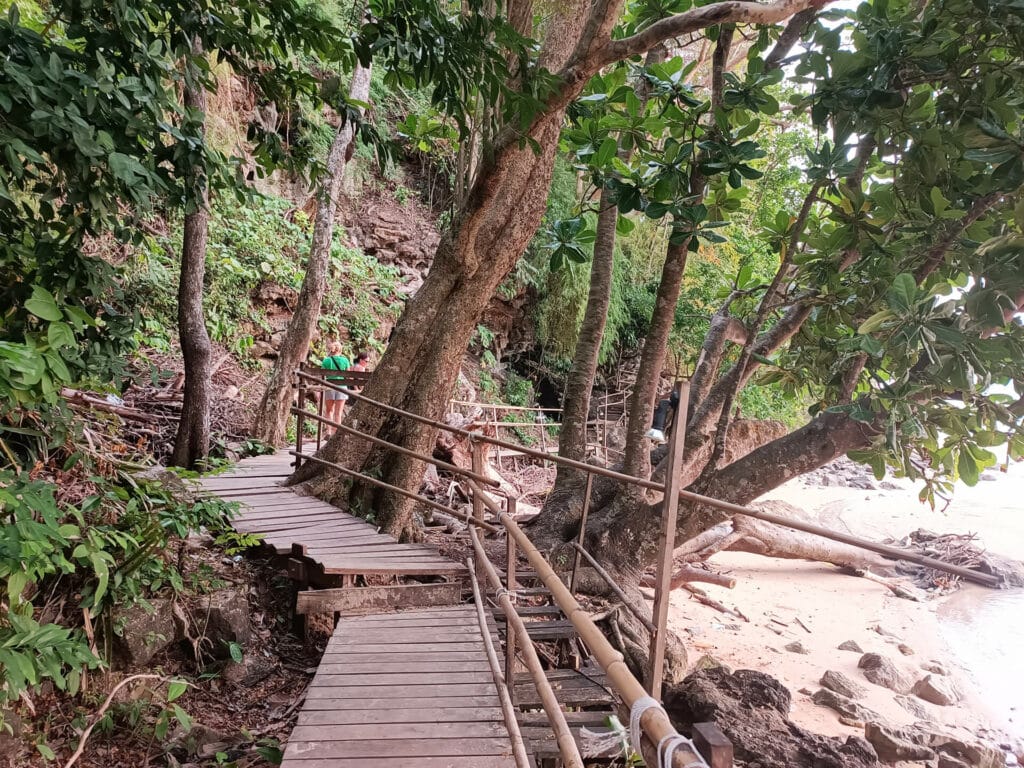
[(192, 442), (274, 409)]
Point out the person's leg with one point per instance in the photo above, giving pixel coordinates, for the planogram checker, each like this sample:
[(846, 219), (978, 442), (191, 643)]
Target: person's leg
[(657, 430)]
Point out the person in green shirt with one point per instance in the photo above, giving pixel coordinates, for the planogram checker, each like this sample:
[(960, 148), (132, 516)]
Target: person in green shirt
[(334, 400)]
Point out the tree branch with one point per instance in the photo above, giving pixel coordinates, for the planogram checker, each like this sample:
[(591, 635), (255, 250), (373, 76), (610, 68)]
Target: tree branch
[(790, 35), (730, 11)]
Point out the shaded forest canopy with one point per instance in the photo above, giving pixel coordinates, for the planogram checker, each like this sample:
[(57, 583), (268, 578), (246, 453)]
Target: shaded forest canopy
[(812, 212)]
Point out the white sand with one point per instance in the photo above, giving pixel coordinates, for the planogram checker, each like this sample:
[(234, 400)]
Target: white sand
[(978, 640)]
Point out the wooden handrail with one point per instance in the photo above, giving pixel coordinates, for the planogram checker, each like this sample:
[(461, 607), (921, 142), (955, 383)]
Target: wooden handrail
[(626, 602), (514, 623), (978, 577), (401, 491), (399, 449), (501, 681)]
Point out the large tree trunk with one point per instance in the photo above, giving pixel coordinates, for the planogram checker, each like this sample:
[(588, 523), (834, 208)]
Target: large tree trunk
[(572, 439), (192, 442), (272, 414)]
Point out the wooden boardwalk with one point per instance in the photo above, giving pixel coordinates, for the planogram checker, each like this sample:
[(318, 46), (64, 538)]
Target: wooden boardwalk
[(334, 541), (403, 690)]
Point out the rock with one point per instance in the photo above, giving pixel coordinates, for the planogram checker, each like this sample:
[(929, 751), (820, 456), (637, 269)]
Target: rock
[(880, 671), (888, 485), (970, 753), (851, 722), (227, 622), (892, 745), (884, 632), (142, 631), (905, 649), (752, 710), (250, 671), (263, 349), (707, 661), (796, 647), (913, 706), (841, 684), (845, 706), (935, 667), (937, 690), (850, 645), (948, 761), (861, 483)]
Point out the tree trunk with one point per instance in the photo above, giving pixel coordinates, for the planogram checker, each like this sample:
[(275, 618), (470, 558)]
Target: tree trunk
[(273, 412), (572, 439), (637, 461), (192, 442)]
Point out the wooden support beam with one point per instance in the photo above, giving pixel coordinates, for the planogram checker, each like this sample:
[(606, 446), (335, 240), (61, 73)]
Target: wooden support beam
[(359, 600), (713, 745), (666, 544)]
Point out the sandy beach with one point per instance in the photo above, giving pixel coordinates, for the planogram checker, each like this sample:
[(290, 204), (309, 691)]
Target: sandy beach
[(975, 633)]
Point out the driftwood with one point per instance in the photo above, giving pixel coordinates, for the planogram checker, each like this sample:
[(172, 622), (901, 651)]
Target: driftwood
[(75, 397), (684, 574)]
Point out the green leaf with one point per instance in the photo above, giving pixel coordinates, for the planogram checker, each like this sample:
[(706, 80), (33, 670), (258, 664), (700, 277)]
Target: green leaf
[(236, 652), (44, 750), (903, 293), (175, 689), (60, 335), (605, 153), (43, 305), (182, 717), (967, 468), (876, 321)]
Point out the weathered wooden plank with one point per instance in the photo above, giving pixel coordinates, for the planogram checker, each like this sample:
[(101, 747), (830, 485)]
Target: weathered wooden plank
[(413, 656), (387, 704), (467, 612), (343, 567), (344, 667), (398, 716), (421, 678), (591, 719), (412, 647), (446, 761), (437, 690), (377, 598), (541, 742), (391, 732), (399, 748)]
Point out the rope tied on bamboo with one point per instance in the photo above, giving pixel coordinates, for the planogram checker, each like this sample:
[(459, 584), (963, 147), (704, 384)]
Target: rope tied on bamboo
[(668, 745), (667, 751), (513, 597)]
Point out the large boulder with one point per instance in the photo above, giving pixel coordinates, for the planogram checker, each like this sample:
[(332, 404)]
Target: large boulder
[(881, 671), (142, 630), (225, 620), (752, 709), (893, 745)]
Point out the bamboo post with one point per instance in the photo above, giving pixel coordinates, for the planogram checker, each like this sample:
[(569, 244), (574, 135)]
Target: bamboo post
[(626, 602), (654, 721), (670, 509), (511, 554), (504, 688), (477, 457), (543, 434), (583, 531), (300, 420), (494, 418), (514, 623), (320, 407)]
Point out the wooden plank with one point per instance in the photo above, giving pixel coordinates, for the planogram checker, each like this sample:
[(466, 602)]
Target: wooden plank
[(380, 731), (344, 667), (465, 611), (398, 716), (328, 680), (447, 761), (400, 647), (541, 742), (377, 598), (540, 719), (377, 703), (358, 692), (433, 638), (410, 657), (341, 567), (398, 748)]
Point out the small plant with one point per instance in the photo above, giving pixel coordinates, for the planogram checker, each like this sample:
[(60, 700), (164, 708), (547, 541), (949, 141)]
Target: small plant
[(403, 194)]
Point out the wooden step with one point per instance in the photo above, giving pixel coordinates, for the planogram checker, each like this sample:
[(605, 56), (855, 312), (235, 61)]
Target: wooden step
[(532, 610), (586, 688), (549, 630), (540, 741)]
